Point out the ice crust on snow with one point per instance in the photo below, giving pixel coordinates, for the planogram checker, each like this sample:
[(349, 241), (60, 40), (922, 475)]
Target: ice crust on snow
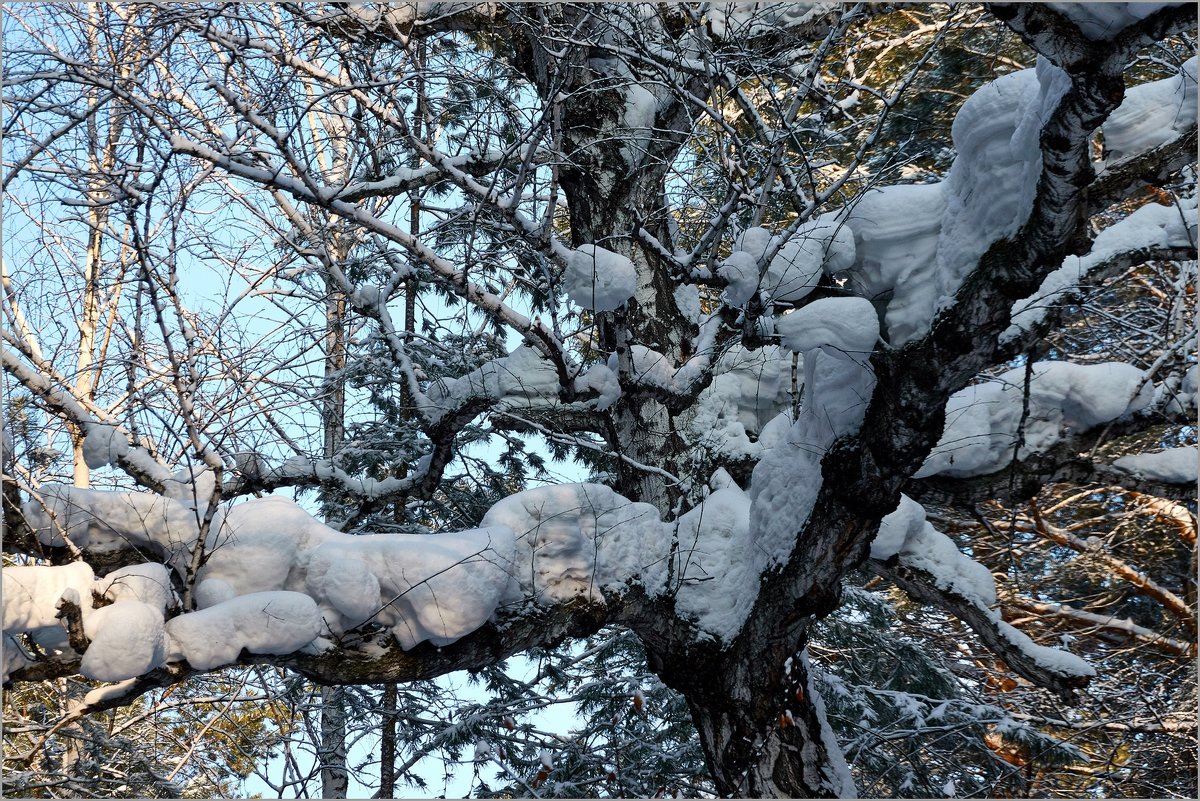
[(599, 279), (982, 420), (1174, 465), (1151, 114)]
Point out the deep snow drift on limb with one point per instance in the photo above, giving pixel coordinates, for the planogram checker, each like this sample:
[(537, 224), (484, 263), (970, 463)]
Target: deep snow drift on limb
[(276, 579), (984, 422)]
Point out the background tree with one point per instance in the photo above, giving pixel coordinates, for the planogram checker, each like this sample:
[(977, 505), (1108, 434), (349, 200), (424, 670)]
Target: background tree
[(725, 258)]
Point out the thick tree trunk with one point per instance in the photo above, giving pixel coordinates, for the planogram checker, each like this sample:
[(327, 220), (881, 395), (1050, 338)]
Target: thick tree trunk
[(761, 730), (613, 189), (761, 724)]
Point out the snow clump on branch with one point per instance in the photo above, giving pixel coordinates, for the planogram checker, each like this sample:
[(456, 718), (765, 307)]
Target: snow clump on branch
[(277, 580), (1152, 114), (908, 248), (1105, 21), (599, 279), (984, 421), (1173, 466)]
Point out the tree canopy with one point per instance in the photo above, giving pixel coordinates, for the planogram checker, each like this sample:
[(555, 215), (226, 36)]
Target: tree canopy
[(807, 390)]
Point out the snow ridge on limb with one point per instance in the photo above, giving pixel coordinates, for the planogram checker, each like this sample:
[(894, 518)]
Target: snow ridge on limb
[(835, 337), (404, 180), (1173, 465), (917, 243), (1151, 135), (927, 565), (117, 449), (1150, 230), (1151, 115)]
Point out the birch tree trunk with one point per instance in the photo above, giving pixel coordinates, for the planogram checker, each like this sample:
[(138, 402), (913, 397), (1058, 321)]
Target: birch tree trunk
[(335, 779)]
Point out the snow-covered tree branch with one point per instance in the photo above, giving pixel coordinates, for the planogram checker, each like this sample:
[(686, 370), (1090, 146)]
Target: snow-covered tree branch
[(304, 309)]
